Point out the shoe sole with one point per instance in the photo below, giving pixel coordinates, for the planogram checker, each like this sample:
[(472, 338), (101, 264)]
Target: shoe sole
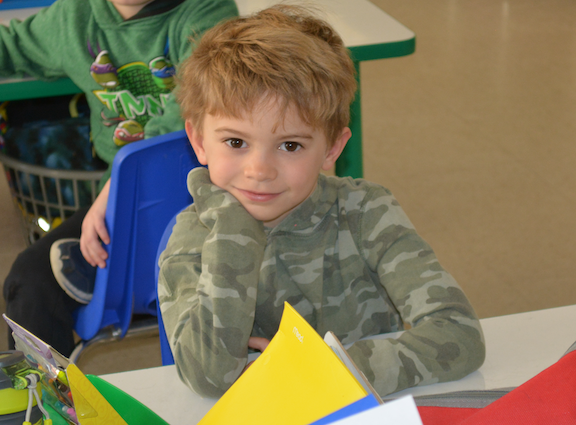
[(56, 264)]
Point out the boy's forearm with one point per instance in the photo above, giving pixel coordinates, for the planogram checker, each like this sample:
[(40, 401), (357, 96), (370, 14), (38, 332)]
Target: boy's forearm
[(207, 289), (445, 341), (445, 347), (208, 329)]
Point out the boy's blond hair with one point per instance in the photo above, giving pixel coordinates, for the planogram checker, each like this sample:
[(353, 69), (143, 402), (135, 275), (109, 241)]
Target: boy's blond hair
[(282, 53)]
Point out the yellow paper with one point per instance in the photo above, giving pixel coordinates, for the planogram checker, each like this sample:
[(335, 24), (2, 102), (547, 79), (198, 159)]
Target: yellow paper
[(297, 380), (91, 407)]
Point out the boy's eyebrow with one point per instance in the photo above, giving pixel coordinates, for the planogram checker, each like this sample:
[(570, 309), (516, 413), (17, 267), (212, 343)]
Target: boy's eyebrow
[(297, 136), (230, 130), (244, 135)]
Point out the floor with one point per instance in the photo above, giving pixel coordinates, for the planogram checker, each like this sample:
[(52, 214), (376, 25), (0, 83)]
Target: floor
[(474, 133)]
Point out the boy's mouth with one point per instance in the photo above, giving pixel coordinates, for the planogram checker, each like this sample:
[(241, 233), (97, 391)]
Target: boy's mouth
[(258, 196)]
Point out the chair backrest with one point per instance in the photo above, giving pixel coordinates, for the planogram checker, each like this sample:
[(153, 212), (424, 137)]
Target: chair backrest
[(165, 350), (148, 186)]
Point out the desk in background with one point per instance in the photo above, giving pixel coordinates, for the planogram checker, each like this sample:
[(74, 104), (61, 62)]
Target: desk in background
[(518, 347), (367, 31)]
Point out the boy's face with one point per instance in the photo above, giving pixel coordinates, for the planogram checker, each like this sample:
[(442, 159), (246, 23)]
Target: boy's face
[(271, 167)]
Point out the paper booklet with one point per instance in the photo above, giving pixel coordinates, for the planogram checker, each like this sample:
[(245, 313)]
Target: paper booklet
[(297, 380)]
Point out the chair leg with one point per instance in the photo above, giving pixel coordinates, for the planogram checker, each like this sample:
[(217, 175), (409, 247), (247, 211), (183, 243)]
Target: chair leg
[(140, 328)]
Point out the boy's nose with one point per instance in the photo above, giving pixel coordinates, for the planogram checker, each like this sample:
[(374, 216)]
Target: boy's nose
[(260, 168)]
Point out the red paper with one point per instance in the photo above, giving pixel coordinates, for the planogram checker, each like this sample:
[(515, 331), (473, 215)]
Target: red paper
[(548, 398)]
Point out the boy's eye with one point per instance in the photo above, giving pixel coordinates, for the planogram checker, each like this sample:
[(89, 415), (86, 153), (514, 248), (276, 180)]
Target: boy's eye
[(236, 143), (290, 146)]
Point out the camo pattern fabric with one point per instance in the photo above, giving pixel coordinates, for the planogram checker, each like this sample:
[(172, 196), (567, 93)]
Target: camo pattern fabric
[(347, 259)]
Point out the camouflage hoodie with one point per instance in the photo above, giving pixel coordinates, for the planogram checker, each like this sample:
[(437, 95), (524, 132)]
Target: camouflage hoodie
[(348, 260)]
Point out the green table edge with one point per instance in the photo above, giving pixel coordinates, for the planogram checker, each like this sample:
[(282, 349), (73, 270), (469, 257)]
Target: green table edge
[(383, 50), (31, 89), (350, 162)]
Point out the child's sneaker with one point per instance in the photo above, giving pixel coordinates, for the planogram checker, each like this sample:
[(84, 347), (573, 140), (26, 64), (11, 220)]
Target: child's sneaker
[(72, 272)]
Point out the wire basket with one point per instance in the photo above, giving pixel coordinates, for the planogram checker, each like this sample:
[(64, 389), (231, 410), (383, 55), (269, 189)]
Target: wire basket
[(45, 197)]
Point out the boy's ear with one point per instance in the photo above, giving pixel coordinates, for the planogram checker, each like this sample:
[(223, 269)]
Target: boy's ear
[(197, 142), (334, 152)]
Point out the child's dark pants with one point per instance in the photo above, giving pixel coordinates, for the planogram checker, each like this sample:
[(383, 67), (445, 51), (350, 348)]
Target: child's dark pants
[(33, 297)]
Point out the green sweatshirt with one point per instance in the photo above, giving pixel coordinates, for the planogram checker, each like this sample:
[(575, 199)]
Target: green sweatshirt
[(347, 259), (125, 67)]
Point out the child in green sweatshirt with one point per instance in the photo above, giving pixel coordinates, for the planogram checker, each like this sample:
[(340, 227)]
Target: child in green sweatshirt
[(122, 55)]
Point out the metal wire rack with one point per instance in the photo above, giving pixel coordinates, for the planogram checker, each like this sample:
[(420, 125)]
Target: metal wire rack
[(45, 197)]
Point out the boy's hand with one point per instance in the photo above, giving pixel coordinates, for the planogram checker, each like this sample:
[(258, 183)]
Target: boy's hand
[(256, 343), (208, 197), (215, 204), (94, 230)]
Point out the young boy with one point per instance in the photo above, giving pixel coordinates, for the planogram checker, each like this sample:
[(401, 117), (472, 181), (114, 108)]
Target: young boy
[(266, 102), (121, 54)]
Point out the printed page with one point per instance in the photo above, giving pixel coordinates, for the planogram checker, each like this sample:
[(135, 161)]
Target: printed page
[(334, 343)]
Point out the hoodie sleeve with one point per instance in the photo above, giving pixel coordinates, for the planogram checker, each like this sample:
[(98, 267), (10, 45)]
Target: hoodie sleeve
[(444, 340), (207, 286), (34, 46)]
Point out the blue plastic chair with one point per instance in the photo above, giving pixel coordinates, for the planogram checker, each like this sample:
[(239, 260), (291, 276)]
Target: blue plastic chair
[(165, 350), (148, 188)]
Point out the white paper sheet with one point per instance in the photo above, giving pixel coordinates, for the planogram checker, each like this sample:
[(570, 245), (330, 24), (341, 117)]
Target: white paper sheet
[(398, 412)]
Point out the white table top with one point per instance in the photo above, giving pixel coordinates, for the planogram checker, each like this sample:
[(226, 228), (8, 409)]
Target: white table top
[(518, 347), (358, 22)]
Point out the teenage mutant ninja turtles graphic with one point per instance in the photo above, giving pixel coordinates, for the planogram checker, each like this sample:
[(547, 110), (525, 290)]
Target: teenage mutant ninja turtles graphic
[(162, 72), (104, 72), (133, 93)]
